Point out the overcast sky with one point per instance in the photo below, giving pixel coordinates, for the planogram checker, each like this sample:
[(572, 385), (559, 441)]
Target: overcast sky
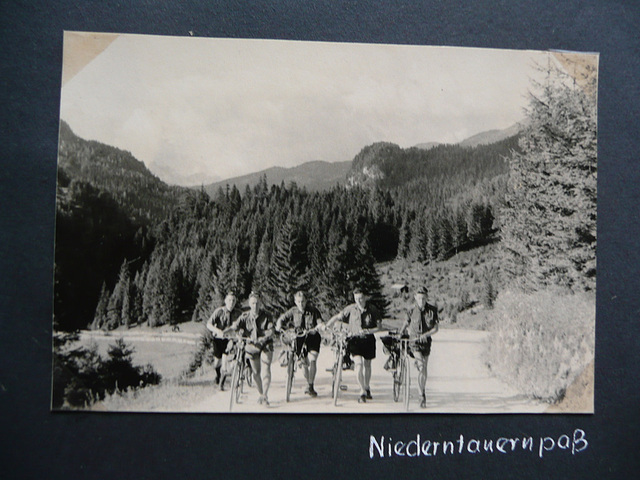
[(195, 109)]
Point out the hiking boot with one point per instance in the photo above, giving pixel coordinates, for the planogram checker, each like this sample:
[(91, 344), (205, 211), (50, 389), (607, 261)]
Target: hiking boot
[(368, 395), (362, 399)]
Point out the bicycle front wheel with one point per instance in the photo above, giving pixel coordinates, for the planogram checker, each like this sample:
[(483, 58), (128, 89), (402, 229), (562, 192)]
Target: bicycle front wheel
[(234, 385), (242, 373), (407, 383), (397, 380), (291, 364), (337, 376)]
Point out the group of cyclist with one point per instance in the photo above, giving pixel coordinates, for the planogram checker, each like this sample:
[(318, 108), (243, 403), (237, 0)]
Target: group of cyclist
[(360, 319)]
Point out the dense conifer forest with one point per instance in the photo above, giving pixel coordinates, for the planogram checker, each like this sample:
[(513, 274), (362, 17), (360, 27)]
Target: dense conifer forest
[(133, 250)]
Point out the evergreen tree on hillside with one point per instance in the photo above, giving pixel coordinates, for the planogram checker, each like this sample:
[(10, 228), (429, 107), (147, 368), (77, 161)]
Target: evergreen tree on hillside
[(263, 261), (119, 307), (332, 287), (404, 236), (206, 287), (549, 218), (287, 269), (366, 277), (227, 277), (100, 317)]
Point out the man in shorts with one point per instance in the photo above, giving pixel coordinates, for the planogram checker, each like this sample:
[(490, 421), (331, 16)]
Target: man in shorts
[(304, 319), (257, 325), (362, 319), (221, 319), (421, 323)]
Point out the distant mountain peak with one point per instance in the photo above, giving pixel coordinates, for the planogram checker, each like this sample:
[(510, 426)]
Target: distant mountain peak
[(491, 136), (315, 175)]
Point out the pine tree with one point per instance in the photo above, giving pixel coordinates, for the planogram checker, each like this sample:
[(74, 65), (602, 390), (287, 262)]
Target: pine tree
[(263, 260), (367, 278), (404, 237), (100, 316), (226, 277), (418, 238), (288, 268), (118, 309), (549, 219), (333, 288), (206, 290)]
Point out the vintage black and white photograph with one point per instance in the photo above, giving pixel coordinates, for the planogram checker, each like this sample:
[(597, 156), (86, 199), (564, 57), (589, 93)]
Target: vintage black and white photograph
[(273, 226)]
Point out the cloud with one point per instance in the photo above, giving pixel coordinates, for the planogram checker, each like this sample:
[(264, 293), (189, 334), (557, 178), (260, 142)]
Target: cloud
[(227, 107)]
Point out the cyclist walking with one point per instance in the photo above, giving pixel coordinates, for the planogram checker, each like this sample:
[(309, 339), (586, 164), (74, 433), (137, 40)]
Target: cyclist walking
[(362, 319), (421, 323), (257, 325), (304, 319), (221, 319)]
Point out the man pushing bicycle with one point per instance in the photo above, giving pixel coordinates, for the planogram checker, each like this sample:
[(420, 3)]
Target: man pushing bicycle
[(420, 324), (257, 325), (304, 319), (221, 319), (362, 319)]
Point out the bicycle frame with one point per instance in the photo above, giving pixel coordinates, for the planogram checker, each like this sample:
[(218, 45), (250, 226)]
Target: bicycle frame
[(339, 347), (402, 372), (289, 339), (239, 371)]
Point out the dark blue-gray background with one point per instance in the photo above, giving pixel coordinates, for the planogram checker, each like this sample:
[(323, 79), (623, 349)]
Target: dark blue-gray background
[(38, 444)]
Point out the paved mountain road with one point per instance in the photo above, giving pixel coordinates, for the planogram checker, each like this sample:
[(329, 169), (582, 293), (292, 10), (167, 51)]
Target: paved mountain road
[(458, 382)]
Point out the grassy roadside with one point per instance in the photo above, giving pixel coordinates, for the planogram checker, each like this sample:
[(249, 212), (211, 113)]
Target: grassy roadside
[(171, 395), (542, 342), (460, 287), (169, 359)]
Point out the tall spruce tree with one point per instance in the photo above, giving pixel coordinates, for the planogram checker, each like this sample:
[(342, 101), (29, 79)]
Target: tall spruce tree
[(100, 316), (548, 223), (288, 267), (206, 290)]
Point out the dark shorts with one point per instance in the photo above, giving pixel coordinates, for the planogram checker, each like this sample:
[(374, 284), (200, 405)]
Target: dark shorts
[(311, 340), (392, 344), (364, 347), (219, 346), (424, 348), (253, 351)]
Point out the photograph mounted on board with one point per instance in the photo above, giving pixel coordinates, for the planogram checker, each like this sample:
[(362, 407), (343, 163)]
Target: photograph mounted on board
[(305, 227)]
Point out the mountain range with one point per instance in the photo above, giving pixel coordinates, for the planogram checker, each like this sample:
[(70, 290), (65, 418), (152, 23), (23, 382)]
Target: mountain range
[(320, 175), (315, 176), (132, 184)]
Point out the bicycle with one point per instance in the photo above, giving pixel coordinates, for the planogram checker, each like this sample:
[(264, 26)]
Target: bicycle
[(289, 339), (240, 370), (339, 347), (401, 371)]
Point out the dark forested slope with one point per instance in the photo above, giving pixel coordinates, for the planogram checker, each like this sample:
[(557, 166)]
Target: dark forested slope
[(143, 195), (131, 249)]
